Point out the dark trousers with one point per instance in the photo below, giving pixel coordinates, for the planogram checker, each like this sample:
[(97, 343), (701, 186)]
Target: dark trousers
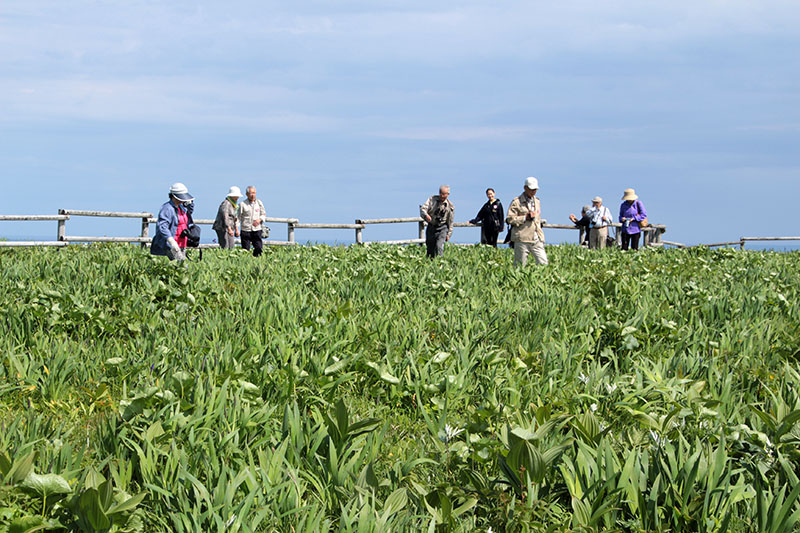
[(434, 239), (632, 239), (253, 237), (489, 237)]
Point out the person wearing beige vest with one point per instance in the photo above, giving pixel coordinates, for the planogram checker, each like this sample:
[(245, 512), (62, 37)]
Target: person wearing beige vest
[(438, 212), (525, 217)]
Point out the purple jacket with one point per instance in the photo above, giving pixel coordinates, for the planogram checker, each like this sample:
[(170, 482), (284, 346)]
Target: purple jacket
[(634, 210)]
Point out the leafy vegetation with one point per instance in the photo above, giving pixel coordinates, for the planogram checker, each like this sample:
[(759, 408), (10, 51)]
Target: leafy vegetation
[(370, 389)]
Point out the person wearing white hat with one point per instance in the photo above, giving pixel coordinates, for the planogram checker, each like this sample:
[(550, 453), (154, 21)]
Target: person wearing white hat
[(226, 225), (173, 218), (525, 217), (598, 226)]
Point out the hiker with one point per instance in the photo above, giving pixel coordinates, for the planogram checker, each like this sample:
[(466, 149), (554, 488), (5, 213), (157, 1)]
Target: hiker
[(632, 215), (438, 212), (598, 227), (525, 217), (490, 218), (583, 224), (226, 225), (251, 214), (173, 219)]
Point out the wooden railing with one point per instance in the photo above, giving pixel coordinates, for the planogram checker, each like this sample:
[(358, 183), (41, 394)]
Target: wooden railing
[(652, 234)]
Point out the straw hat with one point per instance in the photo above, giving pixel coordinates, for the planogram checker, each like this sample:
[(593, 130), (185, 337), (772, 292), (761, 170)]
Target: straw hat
[(629, 195)]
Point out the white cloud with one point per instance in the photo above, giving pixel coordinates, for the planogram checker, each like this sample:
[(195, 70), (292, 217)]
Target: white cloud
[(492, 133), (162, 100)]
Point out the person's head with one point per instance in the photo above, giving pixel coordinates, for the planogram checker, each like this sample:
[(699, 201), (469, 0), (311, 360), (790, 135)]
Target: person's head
[(444, 191), (629, 196), (251, 193), (531, 186), (490, 194), (585, 209), (234, 193), (179, 194), (597, 201)]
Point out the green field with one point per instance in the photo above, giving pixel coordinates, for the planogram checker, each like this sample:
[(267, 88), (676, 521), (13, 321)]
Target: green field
[(369, 389)]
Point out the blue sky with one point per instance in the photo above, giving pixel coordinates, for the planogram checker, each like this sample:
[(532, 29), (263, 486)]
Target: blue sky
[(344, 110)]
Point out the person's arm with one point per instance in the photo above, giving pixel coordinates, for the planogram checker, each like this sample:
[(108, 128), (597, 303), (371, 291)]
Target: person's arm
[(516, 213), (481, 216), (606, 218), (641, 213), (164, 219), (450, 221), (423, 210), (622, 212)]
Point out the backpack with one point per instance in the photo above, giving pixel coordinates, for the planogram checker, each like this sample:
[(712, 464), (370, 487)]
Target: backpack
[(192, 234)]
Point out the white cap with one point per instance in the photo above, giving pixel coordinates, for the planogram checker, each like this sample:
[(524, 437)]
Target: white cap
[(234, 192), (531, 183), (597, 199), (179, 191)]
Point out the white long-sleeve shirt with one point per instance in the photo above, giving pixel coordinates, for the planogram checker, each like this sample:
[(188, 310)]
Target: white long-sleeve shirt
[(250, 215)]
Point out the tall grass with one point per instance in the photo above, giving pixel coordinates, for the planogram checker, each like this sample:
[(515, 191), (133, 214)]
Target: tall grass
[(370, 389)]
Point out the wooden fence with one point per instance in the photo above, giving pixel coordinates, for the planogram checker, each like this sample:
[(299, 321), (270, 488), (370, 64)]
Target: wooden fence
[(652, 234)]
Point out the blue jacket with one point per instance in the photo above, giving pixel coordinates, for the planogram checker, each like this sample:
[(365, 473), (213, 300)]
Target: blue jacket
[(167, 225)]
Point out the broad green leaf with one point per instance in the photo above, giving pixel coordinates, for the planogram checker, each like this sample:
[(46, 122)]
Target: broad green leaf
[(46, 484), (128, 505)]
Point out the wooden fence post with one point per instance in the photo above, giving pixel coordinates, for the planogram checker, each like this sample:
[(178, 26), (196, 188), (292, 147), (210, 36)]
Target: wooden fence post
[(290, 231), (145, 229), (359, 236), (62, 227), (421, 229)]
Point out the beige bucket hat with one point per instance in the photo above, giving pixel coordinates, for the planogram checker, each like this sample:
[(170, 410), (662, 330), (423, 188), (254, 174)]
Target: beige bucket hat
[(629, 195)]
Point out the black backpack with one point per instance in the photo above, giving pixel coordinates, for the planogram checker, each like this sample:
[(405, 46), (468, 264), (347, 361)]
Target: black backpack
[(192, 234)]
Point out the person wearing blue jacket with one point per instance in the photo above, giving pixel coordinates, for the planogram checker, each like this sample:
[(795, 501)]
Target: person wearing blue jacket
[(173, 218)]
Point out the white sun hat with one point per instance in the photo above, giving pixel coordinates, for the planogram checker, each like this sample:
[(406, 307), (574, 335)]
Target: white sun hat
[(179, 191)]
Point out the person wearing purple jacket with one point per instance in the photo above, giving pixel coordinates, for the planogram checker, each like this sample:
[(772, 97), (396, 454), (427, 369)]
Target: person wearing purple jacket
[(631, 213)]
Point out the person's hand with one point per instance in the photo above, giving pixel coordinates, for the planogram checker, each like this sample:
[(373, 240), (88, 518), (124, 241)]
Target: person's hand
[(428, 218), (230, 231), (573, 217), (237, 233), (447, 239)]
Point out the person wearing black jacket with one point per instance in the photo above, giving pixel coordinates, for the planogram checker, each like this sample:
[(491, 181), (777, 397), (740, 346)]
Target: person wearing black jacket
[(584, 223), (490, 218)]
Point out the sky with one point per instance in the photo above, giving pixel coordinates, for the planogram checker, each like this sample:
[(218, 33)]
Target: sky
[(341, 110)]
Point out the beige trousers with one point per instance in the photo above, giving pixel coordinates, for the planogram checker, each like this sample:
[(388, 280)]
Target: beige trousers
[(523, 249), (597, 237)]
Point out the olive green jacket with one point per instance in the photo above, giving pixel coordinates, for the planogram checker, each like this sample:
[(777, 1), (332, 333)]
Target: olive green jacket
[(523, 229)]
